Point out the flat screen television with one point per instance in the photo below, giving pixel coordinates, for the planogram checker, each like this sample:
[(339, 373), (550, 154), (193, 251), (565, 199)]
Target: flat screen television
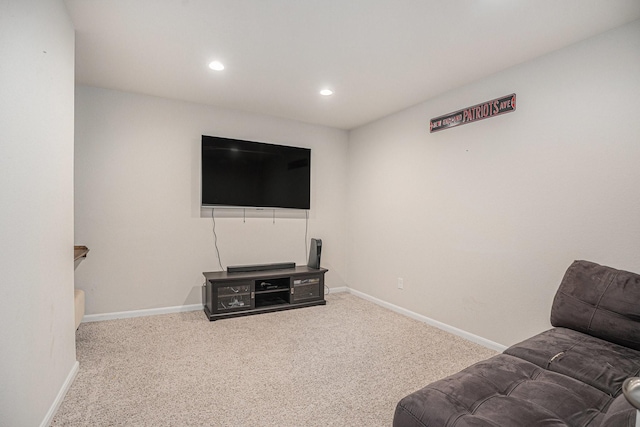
[(238, 173)]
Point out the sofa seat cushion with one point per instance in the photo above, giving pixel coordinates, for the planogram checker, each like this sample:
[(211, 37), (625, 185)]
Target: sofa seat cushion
[(503, 391), (601, 364)]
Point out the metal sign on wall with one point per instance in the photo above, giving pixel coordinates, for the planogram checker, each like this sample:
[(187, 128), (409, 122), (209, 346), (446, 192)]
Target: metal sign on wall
[(495, 107)]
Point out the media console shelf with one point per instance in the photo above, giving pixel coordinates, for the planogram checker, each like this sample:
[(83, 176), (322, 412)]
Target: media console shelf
[(240, 294)]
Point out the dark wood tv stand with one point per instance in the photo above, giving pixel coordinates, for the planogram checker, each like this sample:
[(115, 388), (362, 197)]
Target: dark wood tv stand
[(240, 294)]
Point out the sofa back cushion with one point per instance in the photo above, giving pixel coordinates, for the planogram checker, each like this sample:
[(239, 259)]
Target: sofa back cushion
[(600, 301)]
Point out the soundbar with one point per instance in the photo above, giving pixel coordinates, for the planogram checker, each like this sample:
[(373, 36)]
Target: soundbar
[(260, 267)]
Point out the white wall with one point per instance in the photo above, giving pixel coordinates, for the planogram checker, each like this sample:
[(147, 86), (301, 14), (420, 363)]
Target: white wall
[(37, 341), (482, 220), (137, 200)]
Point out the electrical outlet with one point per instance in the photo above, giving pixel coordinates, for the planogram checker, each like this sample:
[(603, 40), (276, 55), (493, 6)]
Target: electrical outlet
[(400, 283)]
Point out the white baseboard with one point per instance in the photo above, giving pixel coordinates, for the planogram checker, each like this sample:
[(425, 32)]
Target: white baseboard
[(61, 394), (194, 307), (162, 310), (338, 289), (451, 329), (140, 313)]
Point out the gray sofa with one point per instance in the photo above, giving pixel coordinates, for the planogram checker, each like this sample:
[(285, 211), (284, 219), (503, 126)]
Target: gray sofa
[(570, 375)]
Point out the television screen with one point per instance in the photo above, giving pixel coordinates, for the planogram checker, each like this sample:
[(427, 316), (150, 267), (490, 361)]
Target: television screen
[(254, 174)]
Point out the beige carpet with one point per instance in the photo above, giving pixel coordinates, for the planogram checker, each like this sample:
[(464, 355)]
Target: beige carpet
[(344, 364)]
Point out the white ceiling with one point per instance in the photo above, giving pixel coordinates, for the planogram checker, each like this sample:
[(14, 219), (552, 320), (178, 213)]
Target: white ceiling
[(379, 56)]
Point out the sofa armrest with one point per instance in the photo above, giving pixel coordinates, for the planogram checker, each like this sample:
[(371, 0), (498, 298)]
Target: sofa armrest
[(620, 414)]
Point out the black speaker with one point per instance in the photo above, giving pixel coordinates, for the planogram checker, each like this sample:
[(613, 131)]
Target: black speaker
[(314, 253)]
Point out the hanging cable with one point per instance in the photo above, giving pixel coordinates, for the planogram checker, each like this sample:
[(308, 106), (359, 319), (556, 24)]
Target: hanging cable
[(215, 238), (306, 230)]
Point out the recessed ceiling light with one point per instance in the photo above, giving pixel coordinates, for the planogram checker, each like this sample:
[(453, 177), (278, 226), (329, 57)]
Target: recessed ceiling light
[(216, 65), (326, 92)]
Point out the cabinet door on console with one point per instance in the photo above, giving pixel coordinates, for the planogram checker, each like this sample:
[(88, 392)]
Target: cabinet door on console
[(233, 296), (307, 288)]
